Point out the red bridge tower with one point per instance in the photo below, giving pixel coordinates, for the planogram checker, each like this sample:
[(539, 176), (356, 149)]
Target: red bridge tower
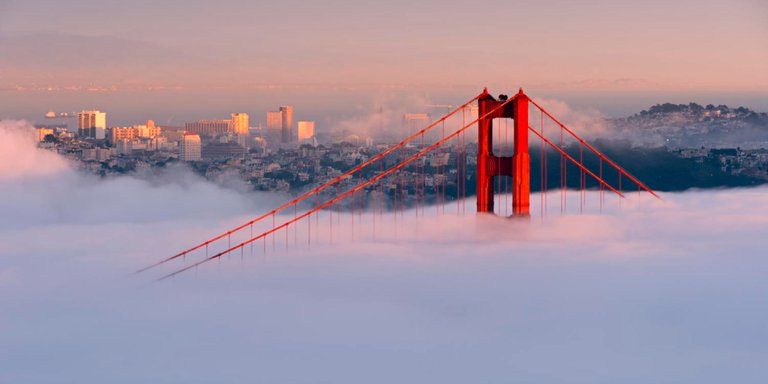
[(518, 167)]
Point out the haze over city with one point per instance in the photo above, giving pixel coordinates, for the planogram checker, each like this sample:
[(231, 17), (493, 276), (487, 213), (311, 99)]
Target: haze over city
[(201, 58), (297, 192)]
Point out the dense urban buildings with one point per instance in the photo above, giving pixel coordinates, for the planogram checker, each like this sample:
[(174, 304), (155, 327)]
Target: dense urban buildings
[(209, 140), (691, 140), (133, 134)]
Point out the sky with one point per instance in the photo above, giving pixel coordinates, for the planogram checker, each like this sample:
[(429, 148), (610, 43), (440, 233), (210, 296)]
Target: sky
[(661, 291), (187, 59)]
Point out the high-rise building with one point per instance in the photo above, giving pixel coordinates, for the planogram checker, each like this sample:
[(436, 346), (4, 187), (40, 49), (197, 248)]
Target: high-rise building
[(287, 128), (92, 124), (240, 123), (274, 127), (280, 125), (306, 131), (191, 147)]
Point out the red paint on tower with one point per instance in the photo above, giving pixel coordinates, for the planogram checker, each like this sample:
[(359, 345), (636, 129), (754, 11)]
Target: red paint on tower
[(518, 167)]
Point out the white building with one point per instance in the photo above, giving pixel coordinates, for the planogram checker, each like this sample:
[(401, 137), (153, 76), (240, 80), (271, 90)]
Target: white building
[(124, 147), (97, 154), (306, 131), (158, 144), (191, 147), (92, 124)]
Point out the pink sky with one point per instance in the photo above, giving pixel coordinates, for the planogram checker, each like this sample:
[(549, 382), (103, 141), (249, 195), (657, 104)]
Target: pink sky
[(688, 45), (617, 56)]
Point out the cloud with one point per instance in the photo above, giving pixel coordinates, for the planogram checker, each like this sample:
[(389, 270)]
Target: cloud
[(19, 158), (382, 118), (649, 291), (585, 122), (42, 188)]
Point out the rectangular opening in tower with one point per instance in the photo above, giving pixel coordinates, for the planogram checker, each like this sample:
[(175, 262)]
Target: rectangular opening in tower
[(502, 195), (503, 137)]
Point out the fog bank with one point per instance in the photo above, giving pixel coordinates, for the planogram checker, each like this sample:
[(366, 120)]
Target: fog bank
[(665, 291)]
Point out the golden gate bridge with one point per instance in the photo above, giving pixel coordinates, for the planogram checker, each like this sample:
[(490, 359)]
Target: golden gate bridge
[(341, 192)]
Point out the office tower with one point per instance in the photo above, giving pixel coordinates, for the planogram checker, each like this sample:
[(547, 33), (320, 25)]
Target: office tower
[(287, 128), (280, 126), (274, 127), (274, 120), (191, 147), (306, 131), (92, 124), (240, 123)]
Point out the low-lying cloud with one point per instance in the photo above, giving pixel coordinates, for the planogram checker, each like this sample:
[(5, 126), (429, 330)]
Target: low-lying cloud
[(585, 122), (382, 120), (40, 187), (665, 291), (17, 160)]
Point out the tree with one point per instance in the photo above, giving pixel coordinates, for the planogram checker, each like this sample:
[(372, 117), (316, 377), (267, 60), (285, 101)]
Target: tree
[(695, 108)]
